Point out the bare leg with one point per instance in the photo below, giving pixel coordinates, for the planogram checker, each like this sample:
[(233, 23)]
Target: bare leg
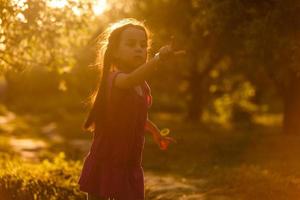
[(93, 197)]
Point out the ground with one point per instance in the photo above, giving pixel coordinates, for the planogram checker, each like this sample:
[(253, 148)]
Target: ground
[(207, 162)]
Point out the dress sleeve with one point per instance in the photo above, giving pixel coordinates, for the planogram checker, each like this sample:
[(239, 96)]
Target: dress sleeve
[(148, 95)]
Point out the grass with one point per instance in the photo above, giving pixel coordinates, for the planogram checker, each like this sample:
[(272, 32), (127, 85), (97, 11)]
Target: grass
[(50, 179)]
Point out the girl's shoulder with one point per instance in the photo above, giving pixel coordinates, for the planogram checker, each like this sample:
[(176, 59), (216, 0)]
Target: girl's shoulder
[(112, 75), (111, 79), (123, 94), (114, 91)]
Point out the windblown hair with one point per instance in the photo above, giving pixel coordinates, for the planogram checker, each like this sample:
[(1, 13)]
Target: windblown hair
[(107, 43)]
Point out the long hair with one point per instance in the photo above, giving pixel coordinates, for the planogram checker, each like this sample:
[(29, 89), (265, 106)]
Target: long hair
[(107, 43)]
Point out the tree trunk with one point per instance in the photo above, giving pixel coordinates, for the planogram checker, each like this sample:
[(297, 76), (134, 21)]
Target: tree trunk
[(291, 115), (195, 106), (198, 90)]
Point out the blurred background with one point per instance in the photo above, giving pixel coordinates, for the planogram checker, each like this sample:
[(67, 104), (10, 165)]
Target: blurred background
[(232, 103)]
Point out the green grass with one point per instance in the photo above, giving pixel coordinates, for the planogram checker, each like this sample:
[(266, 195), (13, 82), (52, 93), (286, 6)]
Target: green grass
[(50, 179)]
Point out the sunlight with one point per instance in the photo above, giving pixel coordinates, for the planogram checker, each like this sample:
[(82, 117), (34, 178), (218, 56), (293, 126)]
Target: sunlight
[(99, 6), (20, 3), (57, 3)]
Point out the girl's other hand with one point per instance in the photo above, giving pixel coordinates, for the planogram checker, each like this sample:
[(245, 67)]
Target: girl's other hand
[(165, 141)]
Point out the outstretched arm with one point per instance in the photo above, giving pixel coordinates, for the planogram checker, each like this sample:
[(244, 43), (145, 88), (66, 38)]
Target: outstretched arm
[(161, 141), (146, 70)]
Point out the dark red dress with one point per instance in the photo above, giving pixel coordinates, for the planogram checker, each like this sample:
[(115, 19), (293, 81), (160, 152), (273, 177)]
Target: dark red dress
[(113, 166)]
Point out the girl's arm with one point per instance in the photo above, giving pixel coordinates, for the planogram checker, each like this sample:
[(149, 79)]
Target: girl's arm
[(152, 129), (161, 141), (136, 77), (143, 72)]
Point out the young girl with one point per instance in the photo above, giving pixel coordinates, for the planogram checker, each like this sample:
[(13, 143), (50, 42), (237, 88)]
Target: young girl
[(119, 118)]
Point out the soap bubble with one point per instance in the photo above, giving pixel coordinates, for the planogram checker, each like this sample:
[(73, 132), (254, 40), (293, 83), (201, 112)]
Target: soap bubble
[(165, 132)]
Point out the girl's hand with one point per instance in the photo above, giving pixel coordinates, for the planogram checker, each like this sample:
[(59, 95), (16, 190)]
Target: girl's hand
[(163, 142), (159, 136), (166, 52)]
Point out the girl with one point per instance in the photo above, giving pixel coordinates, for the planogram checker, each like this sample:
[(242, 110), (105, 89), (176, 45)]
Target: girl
[(118, 119)]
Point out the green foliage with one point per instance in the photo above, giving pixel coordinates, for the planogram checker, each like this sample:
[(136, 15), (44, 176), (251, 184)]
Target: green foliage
[(50, 179), (33, 34), (259, 37), (254, 36), (233, 101)]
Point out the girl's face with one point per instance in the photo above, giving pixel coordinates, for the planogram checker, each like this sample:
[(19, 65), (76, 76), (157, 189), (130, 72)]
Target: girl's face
[(132, 50)]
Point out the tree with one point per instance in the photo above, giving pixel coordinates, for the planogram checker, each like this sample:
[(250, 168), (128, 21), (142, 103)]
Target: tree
[(36, 35)]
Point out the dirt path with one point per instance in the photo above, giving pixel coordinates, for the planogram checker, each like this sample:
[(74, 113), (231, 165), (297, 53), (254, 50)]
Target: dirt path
[(170, 186)]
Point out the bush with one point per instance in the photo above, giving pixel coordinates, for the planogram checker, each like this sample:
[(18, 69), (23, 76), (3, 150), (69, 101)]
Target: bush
[(48, 180)]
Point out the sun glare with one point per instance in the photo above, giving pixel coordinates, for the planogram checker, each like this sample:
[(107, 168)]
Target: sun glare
[(57, 3), (99, 6)]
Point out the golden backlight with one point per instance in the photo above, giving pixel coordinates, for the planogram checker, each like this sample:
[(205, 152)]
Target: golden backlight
[(98, 5)]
